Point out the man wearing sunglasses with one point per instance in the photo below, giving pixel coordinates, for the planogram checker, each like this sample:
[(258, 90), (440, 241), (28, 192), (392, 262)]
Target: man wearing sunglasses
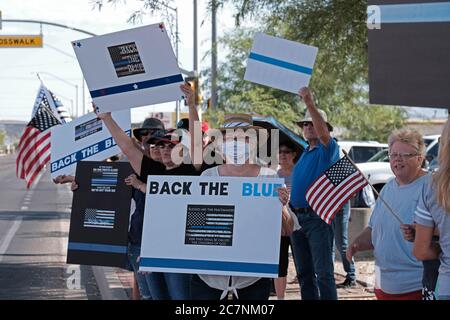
[(313, 244)]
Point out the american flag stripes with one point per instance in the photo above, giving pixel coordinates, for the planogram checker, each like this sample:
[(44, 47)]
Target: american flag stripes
[(34, 145), (328, 193)]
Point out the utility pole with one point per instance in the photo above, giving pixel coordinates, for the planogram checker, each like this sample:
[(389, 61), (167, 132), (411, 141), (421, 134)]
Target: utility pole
[(214, 54), (195, 65)]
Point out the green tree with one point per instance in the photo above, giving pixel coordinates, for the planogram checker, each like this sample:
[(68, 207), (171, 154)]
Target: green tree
[(2, 137), (340, 79)]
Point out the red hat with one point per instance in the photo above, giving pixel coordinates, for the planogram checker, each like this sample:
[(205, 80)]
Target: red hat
[(205, 126)]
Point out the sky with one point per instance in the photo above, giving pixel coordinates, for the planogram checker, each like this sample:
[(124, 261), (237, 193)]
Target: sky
[(18, 66), (56, 60)]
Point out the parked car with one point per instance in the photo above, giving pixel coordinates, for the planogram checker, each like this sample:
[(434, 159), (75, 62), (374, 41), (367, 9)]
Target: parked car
[(361, 151), (432, 151), (377, 169)]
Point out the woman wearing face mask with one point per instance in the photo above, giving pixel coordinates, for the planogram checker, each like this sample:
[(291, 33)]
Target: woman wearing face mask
[(239, 155)]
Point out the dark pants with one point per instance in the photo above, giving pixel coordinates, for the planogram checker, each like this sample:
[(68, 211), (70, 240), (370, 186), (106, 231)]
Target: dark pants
[(260, 290), (341, 221), (312, 247), (429, 278)]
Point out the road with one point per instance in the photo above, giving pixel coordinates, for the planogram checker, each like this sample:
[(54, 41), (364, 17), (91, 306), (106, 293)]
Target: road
[(34, 228)]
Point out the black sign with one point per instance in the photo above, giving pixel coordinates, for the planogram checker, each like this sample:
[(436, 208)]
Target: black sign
[(100, 215), (126, 59), (409, 55), (209, 225)]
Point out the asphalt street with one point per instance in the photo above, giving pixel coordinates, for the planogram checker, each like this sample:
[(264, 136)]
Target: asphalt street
[(34, 228)]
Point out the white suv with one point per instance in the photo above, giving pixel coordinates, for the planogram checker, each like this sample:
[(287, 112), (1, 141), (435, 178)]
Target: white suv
[(360, 152)]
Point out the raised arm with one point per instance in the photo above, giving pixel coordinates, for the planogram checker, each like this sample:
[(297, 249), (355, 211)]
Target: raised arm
[(124, 142), (319, 123), (196, 150)]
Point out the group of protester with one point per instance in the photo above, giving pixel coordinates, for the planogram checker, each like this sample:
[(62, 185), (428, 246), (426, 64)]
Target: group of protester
[(409, 223)]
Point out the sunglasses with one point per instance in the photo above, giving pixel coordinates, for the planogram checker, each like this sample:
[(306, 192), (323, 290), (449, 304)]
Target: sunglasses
[(145, 132), (307, 123), (285, 151), (165, 145)]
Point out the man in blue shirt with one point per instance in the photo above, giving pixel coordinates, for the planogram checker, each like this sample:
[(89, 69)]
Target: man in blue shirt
[(312, 245)]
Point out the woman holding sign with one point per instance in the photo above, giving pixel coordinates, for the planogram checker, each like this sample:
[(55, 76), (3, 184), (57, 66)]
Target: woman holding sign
[(239, 151), (163, 286)]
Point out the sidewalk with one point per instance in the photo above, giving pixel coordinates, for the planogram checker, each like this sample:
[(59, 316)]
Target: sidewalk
[(119, 283)]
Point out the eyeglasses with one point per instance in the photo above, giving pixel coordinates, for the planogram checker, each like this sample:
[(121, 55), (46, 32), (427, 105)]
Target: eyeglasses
[(284, 151), (404, 155)]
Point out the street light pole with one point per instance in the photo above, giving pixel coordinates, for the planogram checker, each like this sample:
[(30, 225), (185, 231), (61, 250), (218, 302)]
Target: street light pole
[(214, 54), (176, 49)]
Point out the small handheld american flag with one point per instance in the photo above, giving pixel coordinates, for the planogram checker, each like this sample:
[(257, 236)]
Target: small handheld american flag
[(328, 193)]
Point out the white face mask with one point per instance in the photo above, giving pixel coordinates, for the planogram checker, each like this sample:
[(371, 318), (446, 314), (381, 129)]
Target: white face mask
[(236, 152)]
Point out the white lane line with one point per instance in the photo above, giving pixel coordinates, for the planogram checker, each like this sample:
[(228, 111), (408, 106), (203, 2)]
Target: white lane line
[(9, 236)]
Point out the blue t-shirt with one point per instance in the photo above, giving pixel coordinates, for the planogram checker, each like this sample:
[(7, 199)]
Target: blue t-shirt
[(311, 165), (399, 270)]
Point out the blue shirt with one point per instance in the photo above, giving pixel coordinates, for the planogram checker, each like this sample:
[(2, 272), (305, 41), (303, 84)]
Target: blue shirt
[(399, 271), (311, 165)]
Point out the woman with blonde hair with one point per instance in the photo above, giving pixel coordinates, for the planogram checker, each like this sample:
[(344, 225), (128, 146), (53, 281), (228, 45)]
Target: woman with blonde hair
[(433, 212)]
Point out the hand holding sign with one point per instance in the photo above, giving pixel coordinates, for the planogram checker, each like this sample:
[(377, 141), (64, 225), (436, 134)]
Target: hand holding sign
[(280, 63)]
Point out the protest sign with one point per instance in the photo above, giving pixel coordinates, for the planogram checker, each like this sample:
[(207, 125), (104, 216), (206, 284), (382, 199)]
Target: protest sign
[(85, 138), (280, 63), (130, 68), (100, 214), (206, 225), (409, 60)]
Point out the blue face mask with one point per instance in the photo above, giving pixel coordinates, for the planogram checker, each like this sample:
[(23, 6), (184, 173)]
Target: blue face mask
[(236, 152)]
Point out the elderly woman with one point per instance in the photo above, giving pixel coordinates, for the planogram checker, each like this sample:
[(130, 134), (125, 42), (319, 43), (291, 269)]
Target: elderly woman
[(398, 274), (433, 212)]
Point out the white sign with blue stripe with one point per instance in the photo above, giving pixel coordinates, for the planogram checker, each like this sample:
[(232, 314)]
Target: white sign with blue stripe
[(212, 225), (130, 68), (85, 138), (280, 63)]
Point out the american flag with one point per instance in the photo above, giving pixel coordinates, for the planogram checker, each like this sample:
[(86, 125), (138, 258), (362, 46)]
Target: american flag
[(328, 193), (95, 218), (47, 97), (34, 145)]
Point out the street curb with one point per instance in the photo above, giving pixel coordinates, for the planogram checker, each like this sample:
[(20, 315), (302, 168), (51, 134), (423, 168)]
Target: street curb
[(109, 284)]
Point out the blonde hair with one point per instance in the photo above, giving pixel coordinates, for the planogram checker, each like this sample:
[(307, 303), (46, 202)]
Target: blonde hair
[(410, 137), (442, 176)]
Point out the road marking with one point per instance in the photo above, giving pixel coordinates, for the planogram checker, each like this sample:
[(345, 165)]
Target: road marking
[(9, 236)]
